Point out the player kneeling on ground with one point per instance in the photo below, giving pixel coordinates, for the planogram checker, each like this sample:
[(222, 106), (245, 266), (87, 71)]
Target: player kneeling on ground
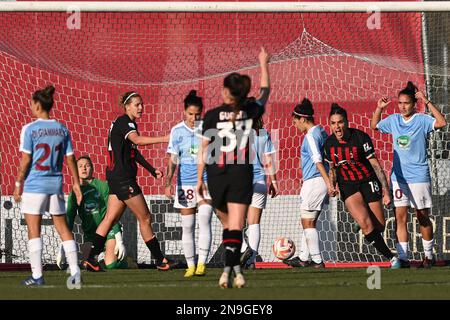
[(91, 211)]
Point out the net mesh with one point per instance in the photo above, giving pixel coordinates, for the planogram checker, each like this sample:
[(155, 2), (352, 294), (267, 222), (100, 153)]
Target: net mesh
[(334, 57)]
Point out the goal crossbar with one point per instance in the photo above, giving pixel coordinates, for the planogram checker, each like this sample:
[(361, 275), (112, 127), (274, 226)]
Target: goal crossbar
[(118, 6)]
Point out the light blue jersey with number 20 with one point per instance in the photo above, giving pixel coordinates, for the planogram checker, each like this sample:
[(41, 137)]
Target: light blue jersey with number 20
[(410, 146)]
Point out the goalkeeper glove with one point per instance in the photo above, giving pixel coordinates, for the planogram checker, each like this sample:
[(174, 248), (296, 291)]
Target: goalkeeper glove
[(60, 257), (119, 250)]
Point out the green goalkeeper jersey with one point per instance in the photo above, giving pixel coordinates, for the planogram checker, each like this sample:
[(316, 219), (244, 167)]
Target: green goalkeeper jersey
[(92, 209)]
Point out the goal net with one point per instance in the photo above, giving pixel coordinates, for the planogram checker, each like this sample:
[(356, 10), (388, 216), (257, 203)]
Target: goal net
[(93, 57)]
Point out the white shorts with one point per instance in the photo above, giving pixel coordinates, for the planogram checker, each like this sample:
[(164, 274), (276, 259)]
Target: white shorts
[(313, 194), (187, 197), (259, 198), (40, 203), (416, 195)]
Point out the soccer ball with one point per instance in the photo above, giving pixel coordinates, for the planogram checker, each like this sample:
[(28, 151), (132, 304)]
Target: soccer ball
[(283, 248)]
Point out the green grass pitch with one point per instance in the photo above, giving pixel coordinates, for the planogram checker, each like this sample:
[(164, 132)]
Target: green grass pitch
[(267, 284)]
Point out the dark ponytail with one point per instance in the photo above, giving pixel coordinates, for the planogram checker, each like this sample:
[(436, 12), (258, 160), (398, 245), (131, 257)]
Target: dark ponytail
[(45, 97), (304, 109), (410, 90), (193, 100), (238, 86), (337, 109)]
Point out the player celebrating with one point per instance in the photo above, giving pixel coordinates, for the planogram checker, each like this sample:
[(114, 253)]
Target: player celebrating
[(225, 150), (410, 178), (91, 212), (183, 149), (361, 180), (262, 151), (121, 174), (43, 144), (315, 184), (262, 157)]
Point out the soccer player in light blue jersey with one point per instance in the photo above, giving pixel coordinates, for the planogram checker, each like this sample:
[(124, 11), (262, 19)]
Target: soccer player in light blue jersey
[(183, 148), (315, 185), (43, 144), (262, 153), (410, 177)]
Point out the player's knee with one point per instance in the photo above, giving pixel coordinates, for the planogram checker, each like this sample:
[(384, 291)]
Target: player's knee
[(112, 265), (309, 214), (145, 220), (423, 218)]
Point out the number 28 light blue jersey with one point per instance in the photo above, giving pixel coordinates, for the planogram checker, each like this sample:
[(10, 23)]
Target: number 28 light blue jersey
[(47, 141), (184, 143), (261, 145), (410, 146), (312, 152)]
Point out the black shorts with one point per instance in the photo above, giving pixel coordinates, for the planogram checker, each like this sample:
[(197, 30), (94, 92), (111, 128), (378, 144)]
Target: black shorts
[(371, 190), (234, 187), (124, 189)]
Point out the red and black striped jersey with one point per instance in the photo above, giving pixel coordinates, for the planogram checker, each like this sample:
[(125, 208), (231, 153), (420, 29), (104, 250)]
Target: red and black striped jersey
[(350, 156)]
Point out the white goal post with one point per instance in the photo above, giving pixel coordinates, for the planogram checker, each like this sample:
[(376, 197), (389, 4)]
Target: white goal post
[(118, 6)]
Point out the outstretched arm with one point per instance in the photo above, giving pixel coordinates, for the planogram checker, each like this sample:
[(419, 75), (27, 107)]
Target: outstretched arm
[(143, 141), (147, 166)]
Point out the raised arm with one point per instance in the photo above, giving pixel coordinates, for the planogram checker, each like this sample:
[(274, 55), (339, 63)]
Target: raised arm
[(71, 212), (264, 58), (381, 105), (440, 119)]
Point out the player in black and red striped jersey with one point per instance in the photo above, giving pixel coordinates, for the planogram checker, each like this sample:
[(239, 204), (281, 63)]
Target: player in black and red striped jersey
[(361, 180), (121, 173), (226, 135)]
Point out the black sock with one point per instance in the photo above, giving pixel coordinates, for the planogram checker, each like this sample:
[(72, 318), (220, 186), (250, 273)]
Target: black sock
[(232, 242), (153, 246), (225, 233), (98, 244), (377, 241)]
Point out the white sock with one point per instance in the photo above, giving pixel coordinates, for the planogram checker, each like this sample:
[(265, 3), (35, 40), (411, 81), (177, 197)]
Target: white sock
[(204, 232), (402, 250), (254, 236), (188, 224), (244, 243), (71, 251), (428, 248), (312, 239), (35, 250), (304, 250)]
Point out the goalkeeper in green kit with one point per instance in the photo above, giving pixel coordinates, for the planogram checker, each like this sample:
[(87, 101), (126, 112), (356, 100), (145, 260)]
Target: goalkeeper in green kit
[(92, 210)]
